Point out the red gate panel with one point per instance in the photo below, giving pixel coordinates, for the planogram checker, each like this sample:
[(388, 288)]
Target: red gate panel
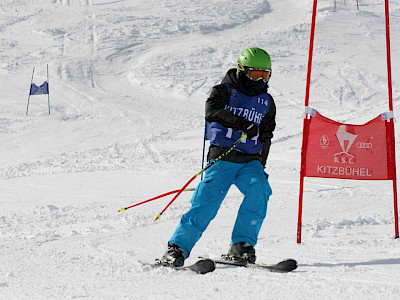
[(336, 150)]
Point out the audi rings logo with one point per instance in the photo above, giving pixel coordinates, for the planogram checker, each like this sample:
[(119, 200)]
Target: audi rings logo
[(364, 145)]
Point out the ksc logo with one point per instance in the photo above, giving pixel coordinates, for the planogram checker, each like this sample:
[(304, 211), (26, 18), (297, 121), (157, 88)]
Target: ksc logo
[(346, 136)]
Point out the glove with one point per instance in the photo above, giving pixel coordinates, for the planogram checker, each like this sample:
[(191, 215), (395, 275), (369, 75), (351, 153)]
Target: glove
[(251, 130)]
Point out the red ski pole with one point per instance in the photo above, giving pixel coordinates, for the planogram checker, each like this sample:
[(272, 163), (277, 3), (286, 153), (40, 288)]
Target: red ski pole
[(154, 198), (244, 135)]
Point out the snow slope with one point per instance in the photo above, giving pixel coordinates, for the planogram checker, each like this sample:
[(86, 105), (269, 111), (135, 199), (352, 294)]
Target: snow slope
[(128, 81)]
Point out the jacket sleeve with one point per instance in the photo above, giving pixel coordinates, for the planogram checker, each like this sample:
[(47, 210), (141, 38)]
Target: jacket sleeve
[(267, 128), (216, 112)]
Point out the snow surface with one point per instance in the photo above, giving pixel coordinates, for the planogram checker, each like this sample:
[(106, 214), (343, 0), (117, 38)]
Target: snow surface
[(128, 82)]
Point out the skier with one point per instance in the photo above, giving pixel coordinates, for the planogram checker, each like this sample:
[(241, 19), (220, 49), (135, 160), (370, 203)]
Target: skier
[(240, 104)]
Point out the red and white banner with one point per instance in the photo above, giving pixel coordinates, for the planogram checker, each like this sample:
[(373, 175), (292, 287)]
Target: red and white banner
[(344, 151), (335, 150)]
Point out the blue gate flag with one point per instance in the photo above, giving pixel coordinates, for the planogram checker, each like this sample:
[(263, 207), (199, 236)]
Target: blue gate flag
[(39, 90), (207, 131)]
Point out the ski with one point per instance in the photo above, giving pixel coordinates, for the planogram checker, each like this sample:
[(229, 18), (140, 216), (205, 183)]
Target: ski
[(202, 266), (284, 266)]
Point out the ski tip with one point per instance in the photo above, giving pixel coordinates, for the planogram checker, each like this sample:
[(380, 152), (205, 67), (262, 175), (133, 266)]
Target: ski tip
[(203, 266), (287, 265), (122, 209)]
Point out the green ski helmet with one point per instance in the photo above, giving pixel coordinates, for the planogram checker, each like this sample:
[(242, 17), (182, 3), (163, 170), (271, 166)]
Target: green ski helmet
[(254, 59)]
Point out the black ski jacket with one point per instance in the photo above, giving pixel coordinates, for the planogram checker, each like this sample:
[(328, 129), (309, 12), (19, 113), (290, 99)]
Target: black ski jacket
[(216, 112)]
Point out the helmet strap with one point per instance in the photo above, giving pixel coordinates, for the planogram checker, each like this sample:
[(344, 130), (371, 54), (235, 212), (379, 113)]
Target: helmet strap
[(239, 68)]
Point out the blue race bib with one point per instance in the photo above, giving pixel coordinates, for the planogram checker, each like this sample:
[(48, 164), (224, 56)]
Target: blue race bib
[(253, 109)]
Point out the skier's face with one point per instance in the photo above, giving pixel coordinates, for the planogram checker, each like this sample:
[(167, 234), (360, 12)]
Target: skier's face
[(251, 85)]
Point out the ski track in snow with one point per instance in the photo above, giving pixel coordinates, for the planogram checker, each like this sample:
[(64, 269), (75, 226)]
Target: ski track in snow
[(128, 81)]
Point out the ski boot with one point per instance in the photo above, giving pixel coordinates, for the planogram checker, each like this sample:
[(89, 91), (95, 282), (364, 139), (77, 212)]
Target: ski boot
[(173, 257), (241, 252)]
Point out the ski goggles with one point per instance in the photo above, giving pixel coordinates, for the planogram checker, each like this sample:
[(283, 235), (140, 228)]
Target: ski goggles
[(258, 74), (255, 74)]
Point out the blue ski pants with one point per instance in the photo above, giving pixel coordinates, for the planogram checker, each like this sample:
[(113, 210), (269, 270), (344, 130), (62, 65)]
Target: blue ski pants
[(250, 179)]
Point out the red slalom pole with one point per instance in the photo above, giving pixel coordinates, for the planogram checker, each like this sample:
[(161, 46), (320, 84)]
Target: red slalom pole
[(392, 135), (306, 121), (244, 135), (310, 53), (154, 198)]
